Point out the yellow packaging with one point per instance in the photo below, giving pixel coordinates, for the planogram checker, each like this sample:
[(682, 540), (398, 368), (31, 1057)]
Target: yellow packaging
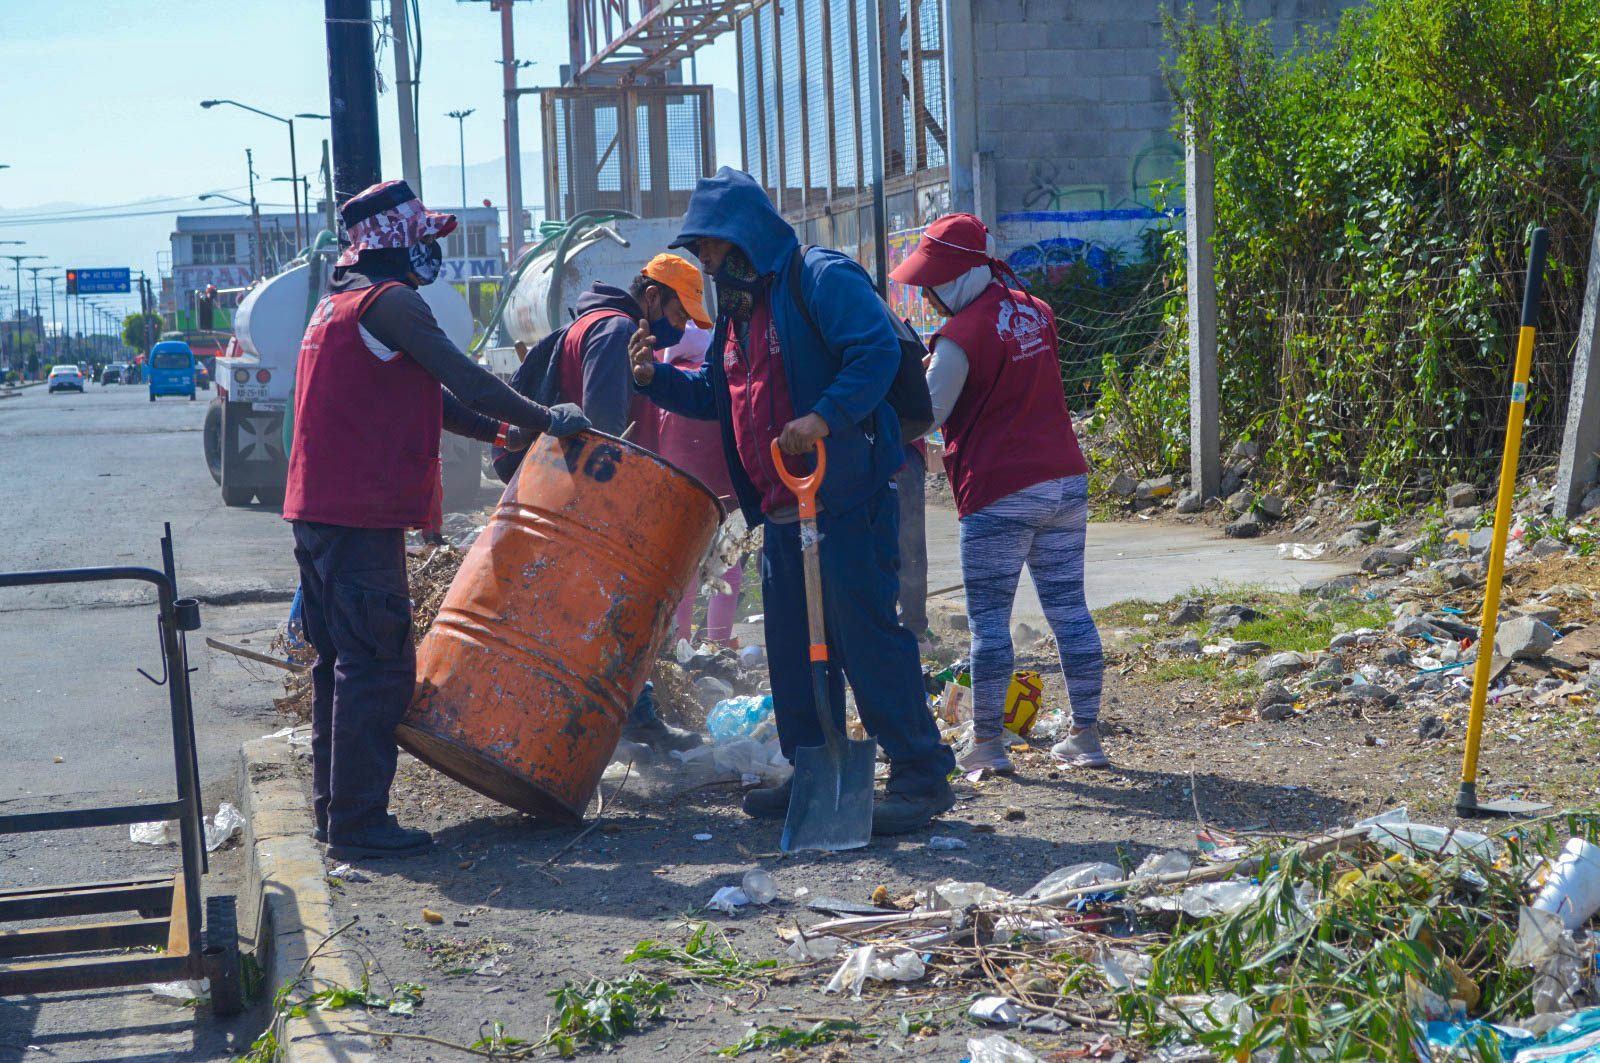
[(1022, 702)]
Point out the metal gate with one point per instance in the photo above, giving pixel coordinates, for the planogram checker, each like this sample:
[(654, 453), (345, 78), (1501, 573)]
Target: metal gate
[(639, 149)]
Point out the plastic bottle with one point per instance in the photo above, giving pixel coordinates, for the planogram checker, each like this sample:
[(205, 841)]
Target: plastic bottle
[(759, 887), (741, 717)]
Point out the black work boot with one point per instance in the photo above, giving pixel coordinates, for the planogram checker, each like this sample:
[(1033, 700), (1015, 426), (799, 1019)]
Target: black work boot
[(320, 834), (769, 802), (900, 811), (662, 738), (384, 838)]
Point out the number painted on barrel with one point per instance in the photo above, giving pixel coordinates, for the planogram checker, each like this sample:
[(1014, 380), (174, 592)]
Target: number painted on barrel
[(600, 466)]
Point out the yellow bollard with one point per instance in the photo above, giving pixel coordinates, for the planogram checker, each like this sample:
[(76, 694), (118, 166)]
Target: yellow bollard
[(1467, 803)]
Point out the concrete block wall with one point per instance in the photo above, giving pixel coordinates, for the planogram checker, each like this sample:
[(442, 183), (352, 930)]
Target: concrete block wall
[(1073, 118)]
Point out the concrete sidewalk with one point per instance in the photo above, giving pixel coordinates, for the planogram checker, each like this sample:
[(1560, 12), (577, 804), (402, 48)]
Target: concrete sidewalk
[(1138, 559)]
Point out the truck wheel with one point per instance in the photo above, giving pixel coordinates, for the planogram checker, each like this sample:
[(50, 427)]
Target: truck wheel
[(191, 396), (219, 951), (152, 396), (237, 496), (212, 440)]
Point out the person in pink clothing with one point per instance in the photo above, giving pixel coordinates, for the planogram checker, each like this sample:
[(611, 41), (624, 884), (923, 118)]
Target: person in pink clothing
[(696, 448)]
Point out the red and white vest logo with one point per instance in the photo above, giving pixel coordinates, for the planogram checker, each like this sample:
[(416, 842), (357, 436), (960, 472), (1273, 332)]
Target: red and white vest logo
[(1022, 322), (323, 313)]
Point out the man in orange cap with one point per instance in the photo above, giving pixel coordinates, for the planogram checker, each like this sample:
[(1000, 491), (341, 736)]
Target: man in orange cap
[(586, 362)]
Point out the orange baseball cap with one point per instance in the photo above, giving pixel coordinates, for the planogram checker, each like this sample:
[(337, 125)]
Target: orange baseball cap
[(684, 278)]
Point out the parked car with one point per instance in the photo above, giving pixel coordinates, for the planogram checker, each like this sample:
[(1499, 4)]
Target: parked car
[(112, 374), (171, 369), (65, 378)]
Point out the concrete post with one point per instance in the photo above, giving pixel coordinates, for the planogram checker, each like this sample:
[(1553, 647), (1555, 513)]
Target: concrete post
[(961, 104), (1205, 456), (1581, 440)]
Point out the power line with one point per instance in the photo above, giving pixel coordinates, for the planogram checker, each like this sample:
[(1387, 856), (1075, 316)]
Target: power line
[(8, 222), (120, 206)]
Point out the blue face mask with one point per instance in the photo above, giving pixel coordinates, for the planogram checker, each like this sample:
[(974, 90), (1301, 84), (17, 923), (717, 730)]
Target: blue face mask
[(427, 260), (665, 332)]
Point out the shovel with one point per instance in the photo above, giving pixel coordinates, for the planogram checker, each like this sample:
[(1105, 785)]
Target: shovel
[(830, 806), (1467, 803)]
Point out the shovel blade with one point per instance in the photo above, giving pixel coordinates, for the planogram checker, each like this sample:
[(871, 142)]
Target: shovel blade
[(830, 807), (1509, 806)]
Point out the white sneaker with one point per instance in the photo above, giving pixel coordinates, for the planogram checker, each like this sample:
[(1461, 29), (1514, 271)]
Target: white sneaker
[(989, 754), (1081, 749)]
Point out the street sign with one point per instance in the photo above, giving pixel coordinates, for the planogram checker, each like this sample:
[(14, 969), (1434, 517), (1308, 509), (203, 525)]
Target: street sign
[(103, 281)]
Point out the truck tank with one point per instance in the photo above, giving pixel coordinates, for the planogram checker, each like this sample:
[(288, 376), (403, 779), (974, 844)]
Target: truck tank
[(565, 264)]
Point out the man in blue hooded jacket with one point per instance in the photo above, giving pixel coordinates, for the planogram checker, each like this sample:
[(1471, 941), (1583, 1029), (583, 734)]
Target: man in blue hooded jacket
[(778, 377)]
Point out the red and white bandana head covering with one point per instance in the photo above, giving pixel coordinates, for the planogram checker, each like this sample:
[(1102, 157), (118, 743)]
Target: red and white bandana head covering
[(389, 215)]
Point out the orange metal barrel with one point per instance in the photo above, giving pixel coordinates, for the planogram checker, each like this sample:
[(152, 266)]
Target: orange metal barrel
[(549, 631)]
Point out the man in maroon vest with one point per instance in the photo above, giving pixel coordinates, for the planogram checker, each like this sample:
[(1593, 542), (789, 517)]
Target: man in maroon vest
[(590, 366), (376, 382)]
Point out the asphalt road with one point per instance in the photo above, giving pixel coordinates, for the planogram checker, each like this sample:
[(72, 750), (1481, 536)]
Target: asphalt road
[(90, 480)]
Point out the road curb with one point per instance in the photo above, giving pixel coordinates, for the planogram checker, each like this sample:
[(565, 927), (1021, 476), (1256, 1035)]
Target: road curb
[(285, 870)]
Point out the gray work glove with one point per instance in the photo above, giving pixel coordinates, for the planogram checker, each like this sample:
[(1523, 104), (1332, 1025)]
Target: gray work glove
[(565, 419)]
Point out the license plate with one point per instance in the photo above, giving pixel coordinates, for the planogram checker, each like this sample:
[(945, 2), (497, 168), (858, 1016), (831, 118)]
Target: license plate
[(248, 392)]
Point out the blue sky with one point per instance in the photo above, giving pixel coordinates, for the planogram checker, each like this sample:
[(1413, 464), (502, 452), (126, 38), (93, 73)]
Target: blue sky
[(99, 105)]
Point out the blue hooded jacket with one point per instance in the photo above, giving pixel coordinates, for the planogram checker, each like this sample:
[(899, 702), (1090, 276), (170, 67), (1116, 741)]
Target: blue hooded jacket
[(842, 375)]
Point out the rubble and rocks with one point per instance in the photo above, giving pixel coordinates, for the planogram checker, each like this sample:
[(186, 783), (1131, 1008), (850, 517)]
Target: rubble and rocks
[(1385, 557), (1270, 506), (1284, 664), (1239, 502), (1523, 638), (1367, 529), (1460, 495), (1188, 611), (1184, 647), (1123, 485), (1191, 502), (1351, 540), (1246, 527)]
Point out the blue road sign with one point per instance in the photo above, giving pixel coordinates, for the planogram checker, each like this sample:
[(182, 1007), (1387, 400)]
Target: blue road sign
[(104, 281)]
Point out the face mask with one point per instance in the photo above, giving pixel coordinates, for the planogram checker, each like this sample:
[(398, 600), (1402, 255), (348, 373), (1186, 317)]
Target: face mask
[(427, 259), (665, 332), (737, 282)]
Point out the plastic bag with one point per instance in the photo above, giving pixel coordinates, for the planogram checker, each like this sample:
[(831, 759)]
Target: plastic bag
[(953, 894), (743, 717), (867, 962), (1163, 864), (181, 992), (1075, 877), (998, 1049), (728, 900), (997, 1011), (817, 948), (1206, 900), (224, 827)]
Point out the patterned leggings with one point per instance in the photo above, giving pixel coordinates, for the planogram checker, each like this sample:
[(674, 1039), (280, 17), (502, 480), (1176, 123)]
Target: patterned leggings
[(1043, 526)]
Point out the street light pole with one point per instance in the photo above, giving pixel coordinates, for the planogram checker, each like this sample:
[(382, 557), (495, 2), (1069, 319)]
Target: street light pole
[(255, 212), (461, 136), (293, 169), (53, 281), (38, 319), (17, 260), (353, 95)]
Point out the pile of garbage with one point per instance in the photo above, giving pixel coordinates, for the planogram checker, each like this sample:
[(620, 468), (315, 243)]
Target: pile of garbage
[(1388, 939)]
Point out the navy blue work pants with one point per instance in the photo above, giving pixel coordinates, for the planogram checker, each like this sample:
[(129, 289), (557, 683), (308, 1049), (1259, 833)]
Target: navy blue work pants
[(358, 616), (866, 642)]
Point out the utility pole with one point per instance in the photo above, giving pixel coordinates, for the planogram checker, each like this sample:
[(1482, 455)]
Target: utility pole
[(508, 72), (38, 319), (330, 219), (255, 212), (406, 89), (53, 281), (352, 96)]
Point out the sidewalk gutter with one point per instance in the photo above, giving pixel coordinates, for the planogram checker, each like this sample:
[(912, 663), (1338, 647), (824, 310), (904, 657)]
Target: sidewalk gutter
[(285, 869)]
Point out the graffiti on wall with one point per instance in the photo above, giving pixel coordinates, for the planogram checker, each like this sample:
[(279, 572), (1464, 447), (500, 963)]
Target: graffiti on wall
[(906, 300)]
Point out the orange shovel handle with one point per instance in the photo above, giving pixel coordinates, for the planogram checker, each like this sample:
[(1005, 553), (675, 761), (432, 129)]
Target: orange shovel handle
[(804, 487)]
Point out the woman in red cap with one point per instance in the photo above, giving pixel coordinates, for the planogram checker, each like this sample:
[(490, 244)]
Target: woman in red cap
[(1018, 476)]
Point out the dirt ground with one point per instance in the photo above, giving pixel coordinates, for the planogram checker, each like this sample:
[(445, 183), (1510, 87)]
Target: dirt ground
[(526, 908)]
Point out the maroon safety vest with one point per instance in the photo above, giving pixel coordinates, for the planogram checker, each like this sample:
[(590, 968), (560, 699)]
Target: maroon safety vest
[(365, 452), (641, 411), (1010, 428)]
